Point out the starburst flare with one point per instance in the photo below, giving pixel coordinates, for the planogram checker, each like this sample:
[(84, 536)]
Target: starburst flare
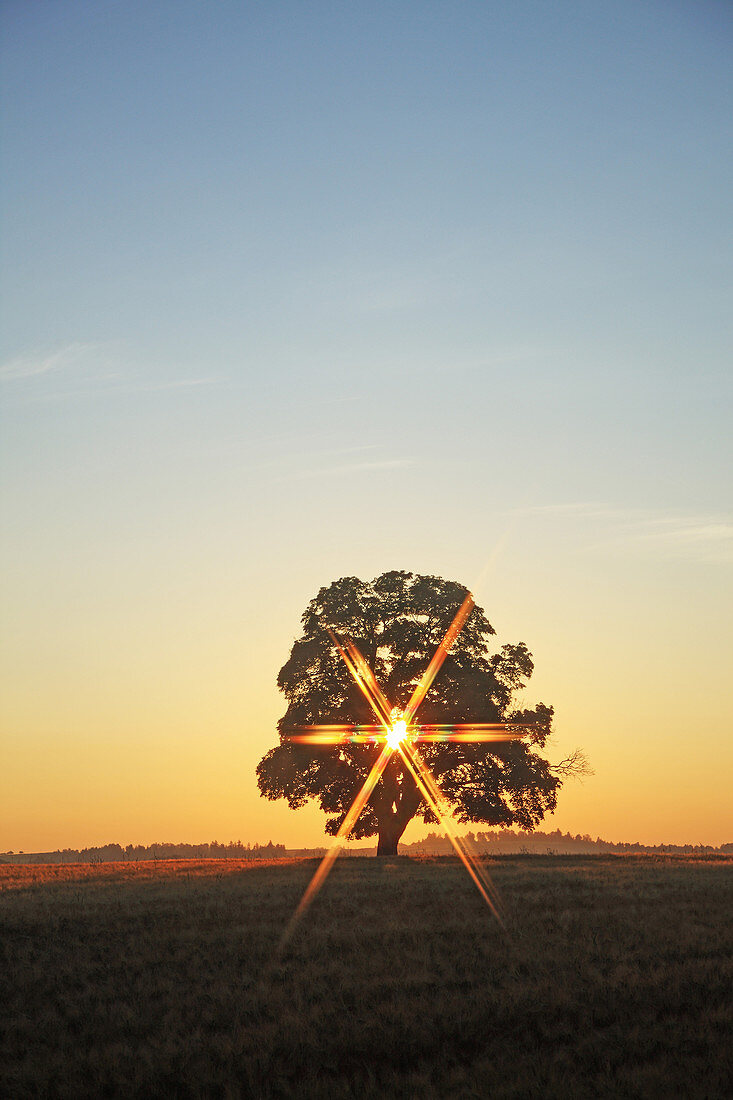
[(397, 732)]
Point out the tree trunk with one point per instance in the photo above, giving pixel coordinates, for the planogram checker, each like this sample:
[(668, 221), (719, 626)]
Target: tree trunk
[(396, 805), (389, 834)]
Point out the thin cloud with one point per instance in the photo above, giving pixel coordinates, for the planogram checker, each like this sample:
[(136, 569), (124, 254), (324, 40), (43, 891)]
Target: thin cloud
[(31, 365), (173, 384), (80, 370), (348, 469), (583, 508), (703, 537)]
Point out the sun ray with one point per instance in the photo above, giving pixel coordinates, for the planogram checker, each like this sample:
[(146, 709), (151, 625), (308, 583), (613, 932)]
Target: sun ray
[(440, 655), (342, 739), (380, 699), (448, 822), (340, 728), (346, 826), (410, 757), (364, 683), (469, 732), (346, 734), (363, 734)]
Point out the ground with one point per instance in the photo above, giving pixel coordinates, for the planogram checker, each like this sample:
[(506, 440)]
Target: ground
[(612, 978)]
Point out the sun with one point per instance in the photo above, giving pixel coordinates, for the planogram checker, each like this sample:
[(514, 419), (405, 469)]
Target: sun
[(397, 733)]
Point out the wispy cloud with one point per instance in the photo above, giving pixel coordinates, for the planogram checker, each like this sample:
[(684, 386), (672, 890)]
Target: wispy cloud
[(577, 508), (172, 384), (84, 369), (349, 468), (705, 537), (35, 363)]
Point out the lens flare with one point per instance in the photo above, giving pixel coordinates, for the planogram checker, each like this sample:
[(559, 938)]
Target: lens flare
[(397, 732), (346, 826), (362, 734), (441, 653), (428, 787)]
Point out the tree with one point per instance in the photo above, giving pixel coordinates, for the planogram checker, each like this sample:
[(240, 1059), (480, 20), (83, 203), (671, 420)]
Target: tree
[(398, 621)]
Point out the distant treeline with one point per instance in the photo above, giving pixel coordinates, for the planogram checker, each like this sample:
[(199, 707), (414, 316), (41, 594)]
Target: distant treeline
[(115, 853), (491, 842), (511, 842)]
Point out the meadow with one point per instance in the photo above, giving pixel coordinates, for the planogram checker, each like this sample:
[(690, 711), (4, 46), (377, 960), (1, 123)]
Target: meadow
[(612, 978)]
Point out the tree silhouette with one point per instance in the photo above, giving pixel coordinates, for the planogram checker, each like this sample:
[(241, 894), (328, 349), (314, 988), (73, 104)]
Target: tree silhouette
[(397, 621)]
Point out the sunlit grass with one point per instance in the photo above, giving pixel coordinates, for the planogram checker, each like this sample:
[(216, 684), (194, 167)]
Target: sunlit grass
[(612, 979)]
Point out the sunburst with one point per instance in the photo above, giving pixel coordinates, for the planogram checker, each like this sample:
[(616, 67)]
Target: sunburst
[(398, 732)]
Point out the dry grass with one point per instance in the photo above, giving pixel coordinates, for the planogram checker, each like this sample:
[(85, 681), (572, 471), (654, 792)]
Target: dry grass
[(164, 979), (21, 875)]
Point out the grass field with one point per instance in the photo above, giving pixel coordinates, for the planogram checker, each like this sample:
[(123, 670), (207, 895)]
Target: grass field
[(613, 979)]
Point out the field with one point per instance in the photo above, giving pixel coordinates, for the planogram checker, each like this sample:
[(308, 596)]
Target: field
[(613, 978)]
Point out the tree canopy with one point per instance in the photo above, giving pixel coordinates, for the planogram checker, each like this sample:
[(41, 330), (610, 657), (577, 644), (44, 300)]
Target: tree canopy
[(397, 621)]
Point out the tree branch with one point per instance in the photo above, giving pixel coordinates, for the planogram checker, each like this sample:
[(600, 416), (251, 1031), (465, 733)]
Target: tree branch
[(574, 766)]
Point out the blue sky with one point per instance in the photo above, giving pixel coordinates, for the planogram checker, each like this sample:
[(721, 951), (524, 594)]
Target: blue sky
[(296, 291)]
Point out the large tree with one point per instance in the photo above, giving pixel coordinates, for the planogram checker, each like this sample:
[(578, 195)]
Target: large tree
[(397, 621)]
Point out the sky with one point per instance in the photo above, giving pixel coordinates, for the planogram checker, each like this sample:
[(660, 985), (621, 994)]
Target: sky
[(291, 292)]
